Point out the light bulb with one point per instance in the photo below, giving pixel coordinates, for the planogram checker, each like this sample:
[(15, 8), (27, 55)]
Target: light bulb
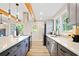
[(16, 19), (9, 16)]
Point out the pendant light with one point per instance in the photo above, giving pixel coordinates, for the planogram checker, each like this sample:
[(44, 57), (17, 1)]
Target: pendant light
[(17, 11), (0, 18), (9, 10)]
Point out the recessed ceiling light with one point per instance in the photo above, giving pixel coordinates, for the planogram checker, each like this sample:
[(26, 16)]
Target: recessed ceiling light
[(41, 18), (41, 13)]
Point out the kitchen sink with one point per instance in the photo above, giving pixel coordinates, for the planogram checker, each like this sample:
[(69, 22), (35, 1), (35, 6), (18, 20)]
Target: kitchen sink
[(55, 35)]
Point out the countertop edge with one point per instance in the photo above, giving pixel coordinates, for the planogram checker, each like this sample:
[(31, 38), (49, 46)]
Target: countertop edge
[(13, 44), (62, 44)]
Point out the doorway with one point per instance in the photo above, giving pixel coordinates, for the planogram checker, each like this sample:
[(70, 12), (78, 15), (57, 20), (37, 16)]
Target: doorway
[(37, 31)]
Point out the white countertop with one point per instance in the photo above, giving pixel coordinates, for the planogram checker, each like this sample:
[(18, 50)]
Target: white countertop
[(7, 42), (66, 42)]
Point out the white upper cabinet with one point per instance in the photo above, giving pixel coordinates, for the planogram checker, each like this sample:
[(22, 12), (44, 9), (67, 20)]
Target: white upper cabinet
[(72, 13), (77, 13), (73, 10)]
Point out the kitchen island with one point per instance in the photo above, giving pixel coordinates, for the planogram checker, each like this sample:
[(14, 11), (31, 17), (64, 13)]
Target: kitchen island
[(63, 45), (14, 46)]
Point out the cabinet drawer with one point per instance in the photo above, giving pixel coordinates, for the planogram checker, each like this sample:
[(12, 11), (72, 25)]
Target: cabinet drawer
[(64, 52), (20, 49), (8, 52), (16, 53), (16, 47), (11, 50), (5, 53), (54, 49)]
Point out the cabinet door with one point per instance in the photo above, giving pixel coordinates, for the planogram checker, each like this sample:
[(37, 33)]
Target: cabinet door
[(16, 50), (23, 48), (17, 53), (54, 49), (51, 46), (72, 13), (48, 43), (10, 51)]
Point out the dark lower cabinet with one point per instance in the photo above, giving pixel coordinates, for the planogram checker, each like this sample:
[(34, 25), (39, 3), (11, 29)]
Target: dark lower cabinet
[(48, 43), (16, 53), (51, 46), (24, 47), (62, 51), (55, 49), (20, 49)]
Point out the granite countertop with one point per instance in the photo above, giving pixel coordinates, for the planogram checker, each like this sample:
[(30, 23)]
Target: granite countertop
[(67, 42), (7, 42)]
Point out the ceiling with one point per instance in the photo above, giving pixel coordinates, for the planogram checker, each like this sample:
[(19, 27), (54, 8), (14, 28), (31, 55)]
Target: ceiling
[(42, 11), (45, 11)]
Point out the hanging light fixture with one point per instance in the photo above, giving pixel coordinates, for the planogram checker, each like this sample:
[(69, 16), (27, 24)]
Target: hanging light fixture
[(1, 18), (17, 11), (9, 10)]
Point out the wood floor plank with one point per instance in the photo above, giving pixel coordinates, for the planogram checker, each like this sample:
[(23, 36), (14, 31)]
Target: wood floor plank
[(38, 49)]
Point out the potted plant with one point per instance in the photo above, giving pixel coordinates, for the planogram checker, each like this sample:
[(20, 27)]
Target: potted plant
[(19, 29)]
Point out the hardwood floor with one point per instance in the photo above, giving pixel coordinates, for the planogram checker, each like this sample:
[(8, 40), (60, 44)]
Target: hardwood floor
[(38, 49)]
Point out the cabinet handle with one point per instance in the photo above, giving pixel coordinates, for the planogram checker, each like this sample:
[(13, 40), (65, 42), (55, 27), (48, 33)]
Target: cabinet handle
[(18, 45), (26, 45), (63, 51), (7, 54), (14, 55), (24, 41)]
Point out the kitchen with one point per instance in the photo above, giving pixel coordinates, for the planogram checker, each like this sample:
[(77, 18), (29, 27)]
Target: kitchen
[(39, 29)]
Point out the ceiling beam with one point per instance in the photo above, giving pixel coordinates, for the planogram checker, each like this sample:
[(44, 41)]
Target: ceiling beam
[(30, 9), (7, 14)]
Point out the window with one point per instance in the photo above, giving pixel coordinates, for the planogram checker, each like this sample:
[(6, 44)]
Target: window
[(57, 24), (66, 25)]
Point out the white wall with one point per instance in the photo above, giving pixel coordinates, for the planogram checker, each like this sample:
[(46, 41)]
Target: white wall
[(28, 28), (49, 26), (38, 35)]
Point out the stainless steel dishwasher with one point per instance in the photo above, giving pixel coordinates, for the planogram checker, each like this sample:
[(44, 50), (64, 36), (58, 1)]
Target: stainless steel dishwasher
[(51, 46)]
